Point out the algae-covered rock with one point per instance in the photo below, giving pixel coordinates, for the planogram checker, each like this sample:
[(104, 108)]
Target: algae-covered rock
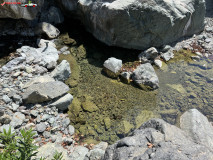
[(107, 123), (177, 87), (75, 107), (143, 117), (74, 110), (67, 40), (79, 52), (82, 129), (125, 77), (110, 73), (89, 106), (124, 127)]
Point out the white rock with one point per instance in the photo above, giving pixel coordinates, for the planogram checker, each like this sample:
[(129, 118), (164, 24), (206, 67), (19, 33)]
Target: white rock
[(168, 55), (158, 63), (149, 54), (63, 49), (42, 43), (145, 75), (199, 54), (17, 120), (113, 64), (50, 30)]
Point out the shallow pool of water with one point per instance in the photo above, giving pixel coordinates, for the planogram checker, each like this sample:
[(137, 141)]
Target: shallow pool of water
[(106, 109)]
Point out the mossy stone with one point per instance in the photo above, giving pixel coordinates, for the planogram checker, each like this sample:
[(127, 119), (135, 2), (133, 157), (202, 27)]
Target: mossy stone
[(66, 39), (83, 129), (79, 52), (110, 73), (127, 127), (144, 116), (124, 127), (177, 87), (107, 123), (89, 106), (75, 107)]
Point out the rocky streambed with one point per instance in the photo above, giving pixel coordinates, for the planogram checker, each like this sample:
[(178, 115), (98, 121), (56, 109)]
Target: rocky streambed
[(61, 90), (108, 109)]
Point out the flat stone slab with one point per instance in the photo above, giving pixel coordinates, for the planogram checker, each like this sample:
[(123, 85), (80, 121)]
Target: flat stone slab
[(42, 92)]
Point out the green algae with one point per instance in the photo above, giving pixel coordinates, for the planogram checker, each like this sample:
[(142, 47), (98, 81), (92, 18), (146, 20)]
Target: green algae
[(124, 128), (143, 117), (66, 39), (89, 106), (107, 123), (182, 55), (114, 109)]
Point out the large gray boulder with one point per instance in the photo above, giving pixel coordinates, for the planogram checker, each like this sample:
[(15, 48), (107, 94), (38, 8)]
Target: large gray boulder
[(16, 11), (68, 5), (139, 24), (157, 140), (197, 126), (42, 92), (144, 76), (53, 15)]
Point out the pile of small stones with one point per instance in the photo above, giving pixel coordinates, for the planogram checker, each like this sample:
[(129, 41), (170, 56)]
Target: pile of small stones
[(50, 124)]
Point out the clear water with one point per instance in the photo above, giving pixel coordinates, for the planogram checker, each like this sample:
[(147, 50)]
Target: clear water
[(184, 84)]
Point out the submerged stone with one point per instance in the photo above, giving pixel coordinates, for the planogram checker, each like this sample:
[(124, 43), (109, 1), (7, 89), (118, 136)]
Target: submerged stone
[(112, 67), (89, 106), (145, 75), (107, 123), (143, 117)]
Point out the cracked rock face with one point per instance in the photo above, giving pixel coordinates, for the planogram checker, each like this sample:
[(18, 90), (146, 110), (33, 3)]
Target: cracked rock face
[(139, 24), (158, 140)]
